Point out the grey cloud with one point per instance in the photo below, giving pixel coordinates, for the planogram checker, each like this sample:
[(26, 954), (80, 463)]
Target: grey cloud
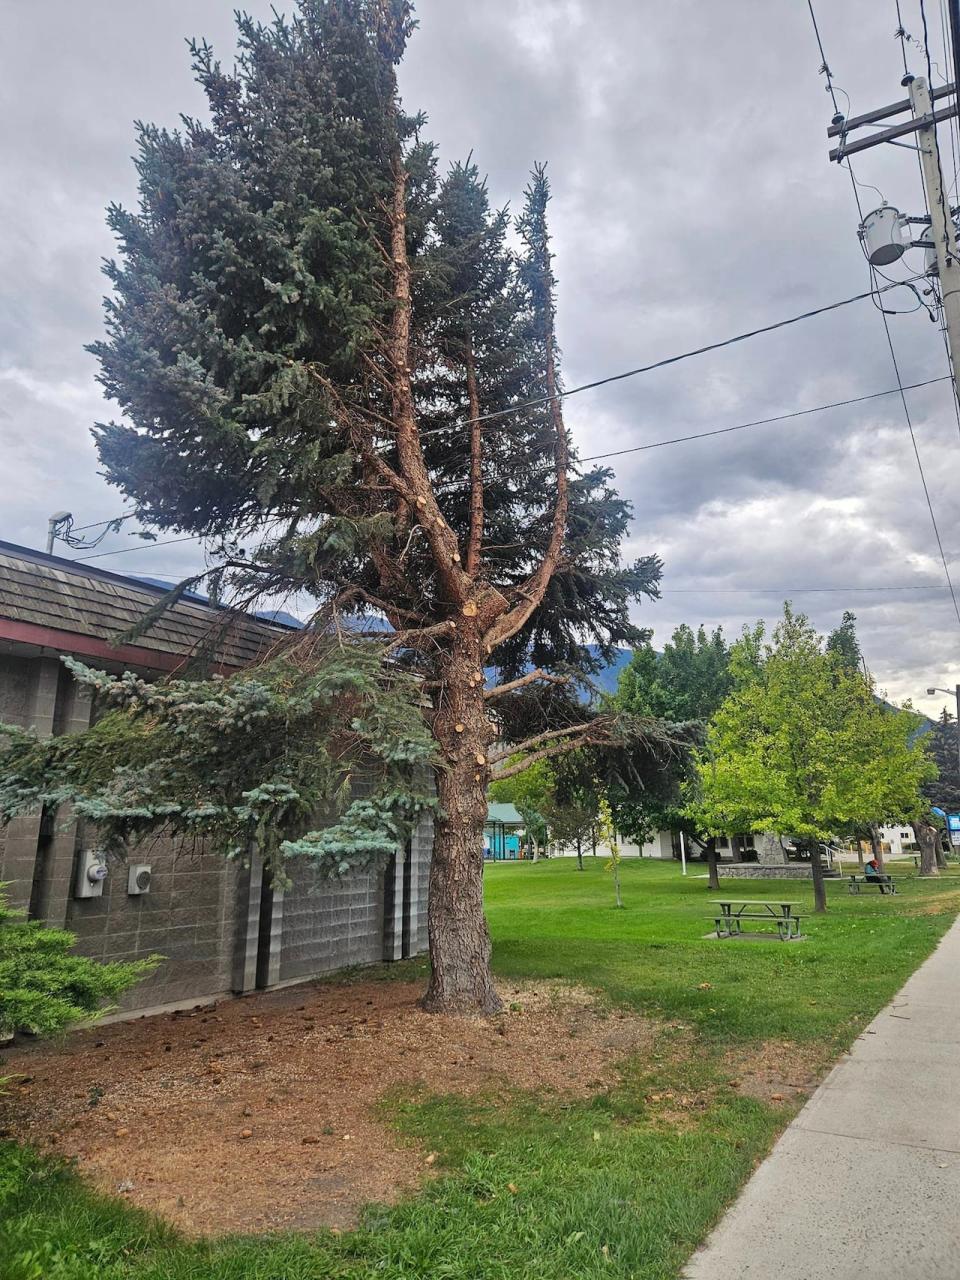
[(692, 199)]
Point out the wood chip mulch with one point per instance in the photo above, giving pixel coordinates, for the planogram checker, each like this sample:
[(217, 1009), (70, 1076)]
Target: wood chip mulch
[(260, 1114)]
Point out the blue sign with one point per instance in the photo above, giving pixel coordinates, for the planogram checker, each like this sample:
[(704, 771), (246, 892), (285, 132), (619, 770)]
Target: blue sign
[(953, 821), (939, 812)]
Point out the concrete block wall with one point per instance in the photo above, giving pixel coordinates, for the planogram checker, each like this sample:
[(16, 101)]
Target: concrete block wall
[(188, 917), (328, 923), (28, 697)]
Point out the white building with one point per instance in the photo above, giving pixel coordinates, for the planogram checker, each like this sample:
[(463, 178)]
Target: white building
[(899, 839)]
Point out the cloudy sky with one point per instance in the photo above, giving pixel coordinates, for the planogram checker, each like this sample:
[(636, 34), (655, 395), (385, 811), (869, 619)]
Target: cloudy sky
[(693, 200)]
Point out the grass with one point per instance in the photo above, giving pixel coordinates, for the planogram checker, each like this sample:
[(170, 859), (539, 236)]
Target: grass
[(623, 1185)]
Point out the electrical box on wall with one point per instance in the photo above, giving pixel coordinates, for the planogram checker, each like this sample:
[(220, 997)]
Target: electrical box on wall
[(139, 876), (91, 873)]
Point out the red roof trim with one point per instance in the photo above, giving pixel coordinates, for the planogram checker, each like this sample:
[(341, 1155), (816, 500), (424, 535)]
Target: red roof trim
[(92, 647)]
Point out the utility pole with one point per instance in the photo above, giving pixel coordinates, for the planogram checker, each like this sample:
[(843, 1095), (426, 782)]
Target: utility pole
[(882, 230), (942, 229)]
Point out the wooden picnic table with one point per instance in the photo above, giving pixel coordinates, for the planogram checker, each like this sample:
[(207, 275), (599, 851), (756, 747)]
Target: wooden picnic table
[(733, 911)]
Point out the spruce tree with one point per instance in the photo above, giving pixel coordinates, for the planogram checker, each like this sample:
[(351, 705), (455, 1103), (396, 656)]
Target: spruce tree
[(329, 358)]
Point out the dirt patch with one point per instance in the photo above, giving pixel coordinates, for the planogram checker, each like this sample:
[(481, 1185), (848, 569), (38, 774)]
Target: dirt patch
[(776, 1071), (943, 904), (259, 1114)]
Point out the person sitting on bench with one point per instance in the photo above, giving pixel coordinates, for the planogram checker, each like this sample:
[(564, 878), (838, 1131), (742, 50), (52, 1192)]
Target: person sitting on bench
[(875, 875)]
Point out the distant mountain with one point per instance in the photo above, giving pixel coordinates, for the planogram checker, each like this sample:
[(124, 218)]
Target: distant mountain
[(608, 678)]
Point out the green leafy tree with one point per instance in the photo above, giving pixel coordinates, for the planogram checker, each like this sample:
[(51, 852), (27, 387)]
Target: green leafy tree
[(332, 365), (44, 987), (802, 747), (607, 831), (573, 806), (686, 682)]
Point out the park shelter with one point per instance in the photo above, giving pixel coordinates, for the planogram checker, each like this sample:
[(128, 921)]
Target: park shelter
[(502, 832)]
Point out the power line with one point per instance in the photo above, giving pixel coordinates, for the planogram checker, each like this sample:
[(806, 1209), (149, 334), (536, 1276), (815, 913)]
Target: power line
[(668, 360), (720, 431), (122, 551), (96, 523), (761, 422)]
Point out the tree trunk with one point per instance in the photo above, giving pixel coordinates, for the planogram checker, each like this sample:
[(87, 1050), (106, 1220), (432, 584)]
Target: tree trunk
[(876, 846), (579, 854), (941, 856), (593, 841), (713, 876), (927, 838), (460, 948), (616, 882), (816, 874)]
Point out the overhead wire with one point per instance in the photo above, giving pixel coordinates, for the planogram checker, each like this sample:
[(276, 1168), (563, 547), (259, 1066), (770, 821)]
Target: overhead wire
[(122, 551), (666, 361)]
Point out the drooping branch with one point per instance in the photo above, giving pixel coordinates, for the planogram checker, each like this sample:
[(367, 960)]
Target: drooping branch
[(546, 677), (548, 736), (420, 637)]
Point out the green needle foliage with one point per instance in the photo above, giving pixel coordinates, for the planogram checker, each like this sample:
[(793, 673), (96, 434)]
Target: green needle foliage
[(44, 988), (253, 760)]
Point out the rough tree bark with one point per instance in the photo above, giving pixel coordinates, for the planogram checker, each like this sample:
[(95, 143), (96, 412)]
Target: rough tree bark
[(816, 875), (927, 838), (713, 874), (579, 854), (460, 949)]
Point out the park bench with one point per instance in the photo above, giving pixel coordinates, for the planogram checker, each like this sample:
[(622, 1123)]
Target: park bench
[(733, 911), (856, 883)]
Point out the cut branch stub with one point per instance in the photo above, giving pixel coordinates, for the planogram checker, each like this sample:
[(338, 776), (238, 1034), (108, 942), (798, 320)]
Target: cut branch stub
[(470, 609), (480, 759)]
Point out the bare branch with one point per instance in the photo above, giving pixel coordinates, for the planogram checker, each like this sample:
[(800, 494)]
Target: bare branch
[(420, 637), (550, 734), (416, 479), (546, 754), (535, 588), (476, 466), (539, 674)]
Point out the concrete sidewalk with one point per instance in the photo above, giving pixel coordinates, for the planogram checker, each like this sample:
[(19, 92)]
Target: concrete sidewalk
[(865, 1183)]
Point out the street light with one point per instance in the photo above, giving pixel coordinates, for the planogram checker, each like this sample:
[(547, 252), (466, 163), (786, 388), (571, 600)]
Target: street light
[(951, 693)]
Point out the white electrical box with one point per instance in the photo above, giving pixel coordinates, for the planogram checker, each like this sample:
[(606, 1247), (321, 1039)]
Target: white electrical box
[(139, 876), (91, 873)]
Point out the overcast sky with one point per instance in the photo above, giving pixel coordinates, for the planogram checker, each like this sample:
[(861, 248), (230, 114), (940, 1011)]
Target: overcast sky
[(693, 200)]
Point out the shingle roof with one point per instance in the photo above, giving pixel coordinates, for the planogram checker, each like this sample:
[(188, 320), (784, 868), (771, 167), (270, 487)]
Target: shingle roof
[(51, 592)]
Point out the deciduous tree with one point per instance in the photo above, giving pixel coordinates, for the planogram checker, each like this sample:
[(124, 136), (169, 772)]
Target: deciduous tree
[(802, 747)]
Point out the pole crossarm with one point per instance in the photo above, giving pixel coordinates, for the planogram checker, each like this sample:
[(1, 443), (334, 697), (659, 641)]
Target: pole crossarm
[(883, 113), (895, 131)]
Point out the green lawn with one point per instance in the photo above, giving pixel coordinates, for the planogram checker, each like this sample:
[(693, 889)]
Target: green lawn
[(532, 1186)]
